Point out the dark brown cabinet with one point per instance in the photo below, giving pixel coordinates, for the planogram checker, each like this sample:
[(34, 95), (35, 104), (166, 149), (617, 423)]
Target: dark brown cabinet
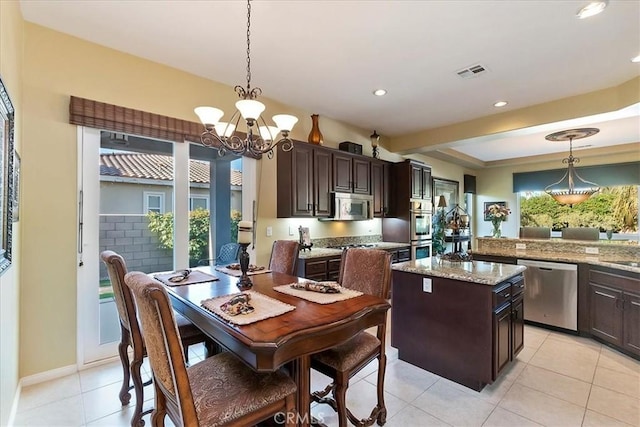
[(380, 188), (466, 332), (420, 181), (351, 174), (615, 308), (304, 182), (320, 269), (508, 323)]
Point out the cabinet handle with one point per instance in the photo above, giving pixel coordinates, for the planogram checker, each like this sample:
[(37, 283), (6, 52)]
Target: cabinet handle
[(309, 206), (507, 295), (604, 295)]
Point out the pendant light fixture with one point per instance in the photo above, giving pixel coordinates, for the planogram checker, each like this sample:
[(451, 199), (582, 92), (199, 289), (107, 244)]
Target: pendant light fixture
[(260, 138), (571, 189)]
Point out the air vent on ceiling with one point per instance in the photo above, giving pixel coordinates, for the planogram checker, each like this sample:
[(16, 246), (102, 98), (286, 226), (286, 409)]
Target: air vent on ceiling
[(472, 71)]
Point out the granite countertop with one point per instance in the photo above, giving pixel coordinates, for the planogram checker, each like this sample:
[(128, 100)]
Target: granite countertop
[(570, 257), (484, 273), (319, 252)]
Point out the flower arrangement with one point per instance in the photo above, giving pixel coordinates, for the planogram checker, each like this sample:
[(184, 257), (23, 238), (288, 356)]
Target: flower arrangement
[(497, 213)]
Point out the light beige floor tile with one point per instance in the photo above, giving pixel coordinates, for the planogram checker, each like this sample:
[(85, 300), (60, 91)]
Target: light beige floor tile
[(615, 405), (567, 359), (625, 383), (594, 419), (575, 339), (503, 418), (412, 416), (557, 385), (536, 329), (101, 375), (66, 412), (513, 370), (361, 399), (533, 338), (617, 361), (369, 369), (526, 354), (541, 407), (50, 391), (101, 402), (454, 406), (404, 380), (493, 393)]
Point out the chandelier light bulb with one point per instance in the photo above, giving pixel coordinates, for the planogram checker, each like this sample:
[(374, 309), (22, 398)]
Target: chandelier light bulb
[(209, 116), (285, 122)]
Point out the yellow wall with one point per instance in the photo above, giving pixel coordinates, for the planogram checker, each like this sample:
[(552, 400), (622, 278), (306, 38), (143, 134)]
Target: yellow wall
[(11, 29)]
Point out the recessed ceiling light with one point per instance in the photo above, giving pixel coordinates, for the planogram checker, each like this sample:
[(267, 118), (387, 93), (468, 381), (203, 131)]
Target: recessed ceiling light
[(636, 59), (500, 104), (593, 8), (379, 92)]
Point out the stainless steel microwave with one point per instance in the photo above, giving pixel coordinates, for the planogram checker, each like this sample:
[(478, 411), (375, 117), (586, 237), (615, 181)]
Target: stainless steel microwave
[(351, 207)]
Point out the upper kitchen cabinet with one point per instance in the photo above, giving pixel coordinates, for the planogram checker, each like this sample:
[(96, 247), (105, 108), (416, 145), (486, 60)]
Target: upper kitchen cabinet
[(380, 175), (304, 181), (351, 173), (420, 181)]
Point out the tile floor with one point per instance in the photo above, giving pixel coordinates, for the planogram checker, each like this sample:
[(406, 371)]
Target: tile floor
[(557, 380)]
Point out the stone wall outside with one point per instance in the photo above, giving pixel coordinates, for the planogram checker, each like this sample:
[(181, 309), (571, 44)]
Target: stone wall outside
[(130, 237)]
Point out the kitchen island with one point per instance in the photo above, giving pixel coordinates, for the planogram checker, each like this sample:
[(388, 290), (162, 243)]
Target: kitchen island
[(459, 320)]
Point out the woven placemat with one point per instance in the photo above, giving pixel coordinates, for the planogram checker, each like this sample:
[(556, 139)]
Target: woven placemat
[(238, 273), (318, 297), (264, 308), (194, 277)]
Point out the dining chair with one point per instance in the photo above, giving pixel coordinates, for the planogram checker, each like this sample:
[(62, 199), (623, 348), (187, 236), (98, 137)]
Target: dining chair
[(367, 271), (219, 391), (228, 254), (130, 335), (284, 257)]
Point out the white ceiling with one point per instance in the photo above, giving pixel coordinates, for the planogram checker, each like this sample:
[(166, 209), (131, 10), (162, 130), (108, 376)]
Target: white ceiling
[(328, 56)]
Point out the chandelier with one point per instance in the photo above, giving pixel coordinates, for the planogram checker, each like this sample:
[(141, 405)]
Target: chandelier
[(260, 138), (571, 189)]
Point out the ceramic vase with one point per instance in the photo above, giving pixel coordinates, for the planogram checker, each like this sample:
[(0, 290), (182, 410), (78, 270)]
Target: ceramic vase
[(315, 136)]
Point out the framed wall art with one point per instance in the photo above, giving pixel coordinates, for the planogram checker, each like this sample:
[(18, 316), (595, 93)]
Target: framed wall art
[(486, 208), (447, 188), (15, 201), (7, 120)]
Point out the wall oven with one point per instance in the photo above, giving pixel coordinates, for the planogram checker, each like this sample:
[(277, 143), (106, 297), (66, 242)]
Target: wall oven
[(420, 220), (421, 249)]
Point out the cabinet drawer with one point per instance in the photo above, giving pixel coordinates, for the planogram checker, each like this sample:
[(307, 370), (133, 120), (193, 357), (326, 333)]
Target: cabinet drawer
[(501, 294), (333, 276), (517, 286), (404, 255), (333, 265), (315, 267)]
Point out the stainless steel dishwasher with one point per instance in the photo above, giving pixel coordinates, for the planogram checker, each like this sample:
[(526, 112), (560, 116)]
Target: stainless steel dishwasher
[(551, 293)]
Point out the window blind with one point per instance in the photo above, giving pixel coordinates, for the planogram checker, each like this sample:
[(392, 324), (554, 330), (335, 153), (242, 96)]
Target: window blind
[(603, 175)]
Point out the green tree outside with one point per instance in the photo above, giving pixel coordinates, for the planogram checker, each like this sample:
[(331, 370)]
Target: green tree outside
[(613, 208), (162, 225)]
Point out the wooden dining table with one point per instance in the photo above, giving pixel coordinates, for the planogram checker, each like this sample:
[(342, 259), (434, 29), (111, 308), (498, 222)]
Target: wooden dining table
[(288, 339)]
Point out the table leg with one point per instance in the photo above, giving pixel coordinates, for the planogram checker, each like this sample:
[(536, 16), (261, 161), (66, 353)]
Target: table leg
[(302, 377)]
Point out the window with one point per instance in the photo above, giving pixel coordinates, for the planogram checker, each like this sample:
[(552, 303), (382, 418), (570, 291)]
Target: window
[(612, 209), (198, 202), (153, 202)]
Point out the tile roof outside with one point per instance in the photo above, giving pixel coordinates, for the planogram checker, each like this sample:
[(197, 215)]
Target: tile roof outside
[(155, 166)]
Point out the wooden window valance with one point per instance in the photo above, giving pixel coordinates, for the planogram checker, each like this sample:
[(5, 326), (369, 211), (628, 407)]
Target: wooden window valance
[(100, 115)]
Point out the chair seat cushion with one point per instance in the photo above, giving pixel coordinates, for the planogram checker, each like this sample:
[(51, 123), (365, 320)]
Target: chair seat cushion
[(186, 328), (347, 355), (225, 389)]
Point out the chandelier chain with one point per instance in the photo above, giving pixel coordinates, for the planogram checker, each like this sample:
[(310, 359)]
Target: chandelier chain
[(249, 46)]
